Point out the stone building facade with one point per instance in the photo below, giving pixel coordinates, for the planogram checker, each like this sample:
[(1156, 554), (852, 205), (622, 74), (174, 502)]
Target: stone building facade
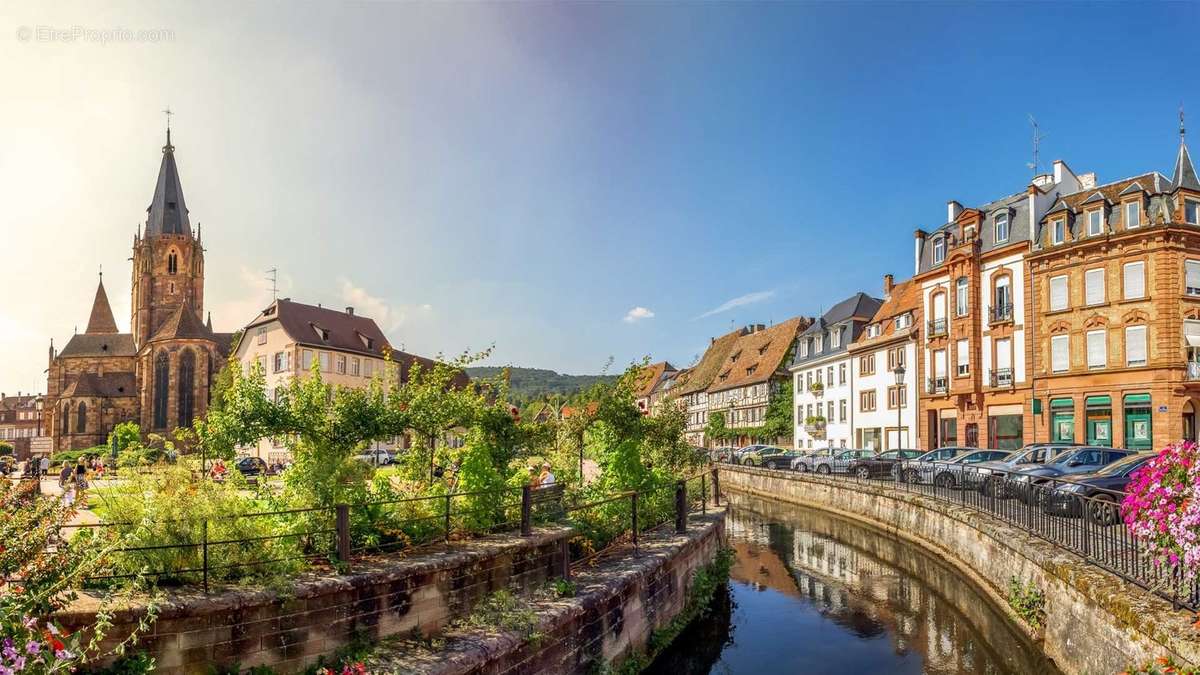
[(158, 374), (1116, 281)]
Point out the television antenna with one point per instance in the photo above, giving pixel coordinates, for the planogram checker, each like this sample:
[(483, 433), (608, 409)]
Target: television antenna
[(1037, 141), (274, 279)]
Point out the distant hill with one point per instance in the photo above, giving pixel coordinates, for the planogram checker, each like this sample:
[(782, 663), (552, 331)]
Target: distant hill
[(529, 384)]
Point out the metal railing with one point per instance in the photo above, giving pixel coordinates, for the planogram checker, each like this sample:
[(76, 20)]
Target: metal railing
[(1193, 370), (938, 385), (937, 327), (1076, 517), (338, 535), (1002, 377), (1001, 313)]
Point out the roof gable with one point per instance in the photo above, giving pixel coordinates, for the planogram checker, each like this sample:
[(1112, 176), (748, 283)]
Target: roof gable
[(101, 320)]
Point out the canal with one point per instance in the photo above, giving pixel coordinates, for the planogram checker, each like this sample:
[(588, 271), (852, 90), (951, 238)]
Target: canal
[(810, 592)]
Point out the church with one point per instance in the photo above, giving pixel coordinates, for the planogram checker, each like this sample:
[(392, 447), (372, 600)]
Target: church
[(159, 374)]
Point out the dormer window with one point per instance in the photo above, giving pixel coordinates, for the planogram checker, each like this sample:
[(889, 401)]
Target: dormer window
[(1095, 223), (804, 349), (751, 369), (903, 321), (734, 357), (939, 250), (835, 338), (763, 349), (1133, 215), (1000, 227), (1058, 231), (1191, 211)]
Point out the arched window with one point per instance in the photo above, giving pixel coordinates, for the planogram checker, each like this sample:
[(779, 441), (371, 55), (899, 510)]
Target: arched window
[(81, 418), (162, 382), (187, 378), (172, 262), (66, 418)]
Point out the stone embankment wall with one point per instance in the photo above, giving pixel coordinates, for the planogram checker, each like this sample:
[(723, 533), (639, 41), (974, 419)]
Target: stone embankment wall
[(618, 606), (420, 592), (1095, 622)]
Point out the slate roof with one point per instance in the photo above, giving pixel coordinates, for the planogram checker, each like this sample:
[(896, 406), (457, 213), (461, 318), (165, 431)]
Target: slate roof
[(19, 402), (1185, 173), (110, 385), (101, 320), (701, 375), (183, 324), (758, 356), (905, 298), (167, 213), (1017, 207), (848, 317), (1153, 183), (649, 377), (117, 344)]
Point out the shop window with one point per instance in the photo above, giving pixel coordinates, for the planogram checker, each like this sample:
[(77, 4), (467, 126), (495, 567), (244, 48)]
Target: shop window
[(1062, 420), (1138, 423)]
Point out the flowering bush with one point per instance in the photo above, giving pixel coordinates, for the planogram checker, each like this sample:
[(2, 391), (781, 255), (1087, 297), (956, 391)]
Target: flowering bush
[(1161, 508)]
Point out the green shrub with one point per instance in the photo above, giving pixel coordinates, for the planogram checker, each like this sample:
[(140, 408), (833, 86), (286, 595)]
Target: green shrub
[(1028, 601), (72, 456), (6, 448)]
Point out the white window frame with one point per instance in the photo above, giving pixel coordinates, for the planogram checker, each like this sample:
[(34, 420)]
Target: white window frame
[(962, 358), (1195, 220), (1093, 280), (1190, 266), (1066, 294), (1093, 350), (835, 338), (1135, 209), (1140, 265), (1058, 230), (1135, 335), (939, 250), (1062, 342), (961, 301), (262, 335), (1000, 220), (1095, 218)]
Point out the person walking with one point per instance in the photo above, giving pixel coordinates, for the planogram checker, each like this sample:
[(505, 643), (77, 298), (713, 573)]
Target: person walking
[(81, 483), (44, 465)]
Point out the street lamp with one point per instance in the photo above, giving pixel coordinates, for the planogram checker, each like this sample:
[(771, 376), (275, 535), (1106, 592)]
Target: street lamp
[(899, 372)]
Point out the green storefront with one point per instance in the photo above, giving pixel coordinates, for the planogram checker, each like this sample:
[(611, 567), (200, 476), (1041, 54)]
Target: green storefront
[(1098, 411), (1139, 429), (1062, 420)]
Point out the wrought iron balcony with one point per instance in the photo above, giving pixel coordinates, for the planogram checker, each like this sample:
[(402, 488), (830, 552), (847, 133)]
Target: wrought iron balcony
[(1002, 377), (1193, 370), (938, 385), (1001, 313), (937, 327)]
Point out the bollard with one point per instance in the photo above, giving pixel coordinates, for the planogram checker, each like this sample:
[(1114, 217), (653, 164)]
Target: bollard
[(716, 487), (343, 532), (633, 499), (526, 506), (680, 507)]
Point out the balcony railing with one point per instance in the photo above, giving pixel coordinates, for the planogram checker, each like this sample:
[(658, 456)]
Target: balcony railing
[(937, 327), (1002, 377), (1001, 313), (1193, 370), (937, 385)]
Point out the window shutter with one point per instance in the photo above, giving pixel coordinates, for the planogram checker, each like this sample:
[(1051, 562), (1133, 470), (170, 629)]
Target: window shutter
[(1135, 280), (1058, 293), (939, 363), (1003, 354), (1193, 277), (1060, 354), (1135, 346), (1094, 284), (1096, 349), (962, 356)]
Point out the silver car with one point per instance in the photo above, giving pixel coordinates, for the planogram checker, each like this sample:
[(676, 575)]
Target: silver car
[(840, 463), (959, 469), (809, 459), (913, 470)]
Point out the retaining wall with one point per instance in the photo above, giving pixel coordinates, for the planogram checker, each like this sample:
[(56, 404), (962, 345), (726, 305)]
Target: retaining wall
[(1095, 622)]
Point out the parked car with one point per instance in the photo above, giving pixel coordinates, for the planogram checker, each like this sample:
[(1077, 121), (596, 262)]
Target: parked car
[(807, 459), (721, 454), (840, 462), (958, 470), (771, 457), (1033, 482), (251, 466), (992, 474), (739, 455), (376, 457), (1101, 490), (880, 465), (910, 471)]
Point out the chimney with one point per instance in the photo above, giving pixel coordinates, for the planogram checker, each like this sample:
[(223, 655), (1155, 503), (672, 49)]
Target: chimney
[(953, 208), (1087, 181), (919, 247), (350, 311), (889, 282)]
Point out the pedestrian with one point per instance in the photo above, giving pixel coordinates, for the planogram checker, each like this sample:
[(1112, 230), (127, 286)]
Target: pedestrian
[(64, 475), (44, 465), (81, 483), (547, 477), (534, 478)]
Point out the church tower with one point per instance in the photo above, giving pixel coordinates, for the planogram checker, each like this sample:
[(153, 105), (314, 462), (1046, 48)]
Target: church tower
[(168, 260)]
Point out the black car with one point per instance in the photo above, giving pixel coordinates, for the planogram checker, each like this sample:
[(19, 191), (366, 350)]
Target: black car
[(251, 466), (880, 465), (991, 476), (1101, 490), (1034, 482)]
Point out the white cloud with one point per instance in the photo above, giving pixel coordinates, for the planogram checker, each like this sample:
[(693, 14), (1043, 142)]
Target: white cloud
[(740, 301), (637, 314), (389, 316)]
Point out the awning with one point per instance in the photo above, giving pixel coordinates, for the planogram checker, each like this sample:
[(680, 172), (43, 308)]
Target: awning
[(1062, 403), (1098, 402), (1137, 398), (1192, 340)]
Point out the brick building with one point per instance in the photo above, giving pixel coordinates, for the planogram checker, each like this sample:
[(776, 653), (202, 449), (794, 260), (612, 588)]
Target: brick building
[(157, 374), (1115, 272), (21, 422)]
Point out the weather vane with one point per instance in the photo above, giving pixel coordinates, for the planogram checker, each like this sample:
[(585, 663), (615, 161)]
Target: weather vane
[(168, 113)]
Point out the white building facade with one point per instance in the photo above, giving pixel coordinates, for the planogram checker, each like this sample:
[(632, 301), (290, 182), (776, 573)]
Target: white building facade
[(886, 412)]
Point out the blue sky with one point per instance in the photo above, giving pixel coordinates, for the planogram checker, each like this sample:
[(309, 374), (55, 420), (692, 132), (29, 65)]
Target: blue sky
[(529, 174)]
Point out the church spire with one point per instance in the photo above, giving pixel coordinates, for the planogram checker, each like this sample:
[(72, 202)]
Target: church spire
[(1185, 173), (167, 213), (101, 321)]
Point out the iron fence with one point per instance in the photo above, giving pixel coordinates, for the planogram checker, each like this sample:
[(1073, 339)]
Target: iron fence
[(1074, 516)]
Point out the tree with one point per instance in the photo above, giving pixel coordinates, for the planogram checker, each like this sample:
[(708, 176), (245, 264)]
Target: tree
[(434, 402), (6, 448), (126, 434), (716, 430), (778, 420)]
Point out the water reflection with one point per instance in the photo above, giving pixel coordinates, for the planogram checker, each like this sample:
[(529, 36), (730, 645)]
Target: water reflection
[(812, 593)]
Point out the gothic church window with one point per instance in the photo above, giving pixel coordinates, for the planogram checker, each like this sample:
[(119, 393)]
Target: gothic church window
[(161, 387), (81, 420), (172, 263), (187, 378), (66, 418)]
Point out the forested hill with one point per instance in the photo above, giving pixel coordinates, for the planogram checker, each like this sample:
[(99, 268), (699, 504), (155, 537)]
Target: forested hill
[(528, 384)]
